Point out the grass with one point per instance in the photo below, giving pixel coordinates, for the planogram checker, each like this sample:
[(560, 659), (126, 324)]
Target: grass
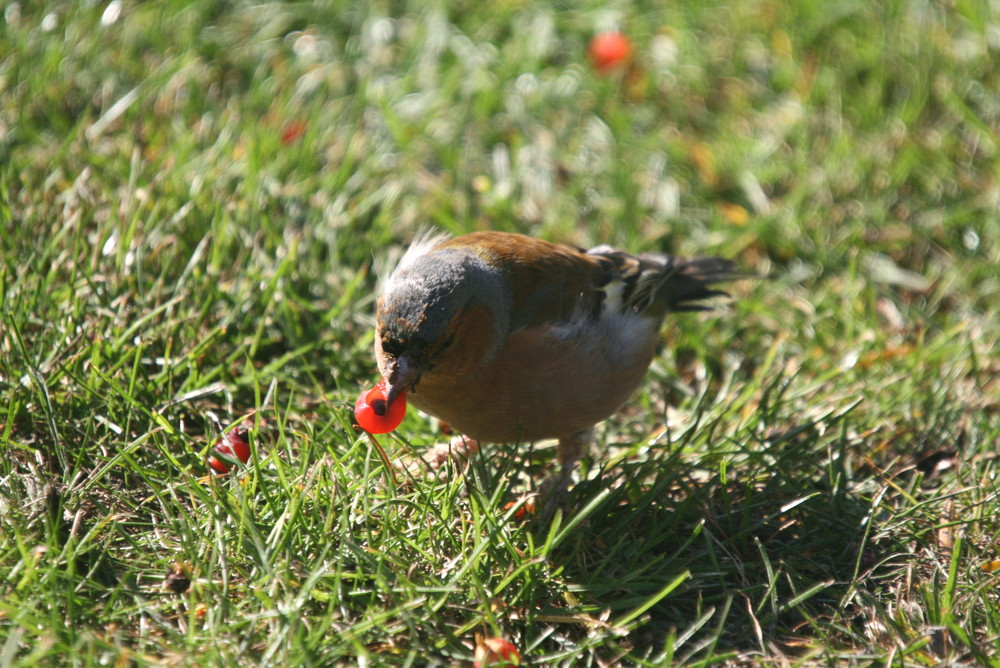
[(195, 199)]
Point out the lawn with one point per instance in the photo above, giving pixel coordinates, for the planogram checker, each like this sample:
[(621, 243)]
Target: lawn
[(196, 200)]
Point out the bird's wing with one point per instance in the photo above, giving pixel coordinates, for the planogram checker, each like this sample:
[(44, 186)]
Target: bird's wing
[(659, 284), (554, 283), (549, 283)]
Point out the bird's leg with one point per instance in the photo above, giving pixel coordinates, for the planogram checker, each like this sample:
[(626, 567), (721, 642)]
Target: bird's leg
[(569, 451)]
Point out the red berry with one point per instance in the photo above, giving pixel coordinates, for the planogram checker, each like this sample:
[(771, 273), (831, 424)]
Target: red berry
[(373, 413), (232, 445), (495, 652), (293, 130), (527, 510), (609, 51)]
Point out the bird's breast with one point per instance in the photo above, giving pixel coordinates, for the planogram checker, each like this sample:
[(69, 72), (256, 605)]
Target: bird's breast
[(547, 381)]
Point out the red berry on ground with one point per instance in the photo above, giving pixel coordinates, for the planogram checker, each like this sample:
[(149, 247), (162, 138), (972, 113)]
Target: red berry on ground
[(528, 509), (495, 652), (374, 414), (232, 445), (609, 51)]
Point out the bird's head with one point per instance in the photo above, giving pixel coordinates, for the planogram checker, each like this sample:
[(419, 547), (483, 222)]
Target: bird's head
[(444, 313)]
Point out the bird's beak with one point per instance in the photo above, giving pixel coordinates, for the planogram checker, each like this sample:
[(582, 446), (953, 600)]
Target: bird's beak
[(402, 374)]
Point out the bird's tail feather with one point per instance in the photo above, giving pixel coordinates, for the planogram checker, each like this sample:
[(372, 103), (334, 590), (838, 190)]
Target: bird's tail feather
[(688, 282)]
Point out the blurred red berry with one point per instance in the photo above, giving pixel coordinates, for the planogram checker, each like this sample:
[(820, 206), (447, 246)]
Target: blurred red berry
[(293, 130), (609, 51), (374, 414), (495, 652), (232, 445), (527, 509)]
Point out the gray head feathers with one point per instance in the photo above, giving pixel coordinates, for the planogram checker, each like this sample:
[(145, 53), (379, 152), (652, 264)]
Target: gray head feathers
[(424, 295)]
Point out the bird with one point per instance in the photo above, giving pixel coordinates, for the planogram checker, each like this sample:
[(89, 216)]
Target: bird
[(508, 338)]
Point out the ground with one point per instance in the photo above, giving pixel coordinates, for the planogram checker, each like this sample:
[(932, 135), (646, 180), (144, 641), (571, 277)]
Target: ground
[(196, 200)]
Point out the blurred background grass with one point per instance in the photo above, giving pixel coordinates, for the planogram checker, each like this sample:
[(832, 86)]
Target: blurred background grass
[(195, 198)]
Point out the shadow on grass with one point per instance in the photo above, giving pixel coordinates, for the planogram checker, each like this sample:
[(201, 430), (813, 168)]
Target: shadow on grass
[(769, 533)]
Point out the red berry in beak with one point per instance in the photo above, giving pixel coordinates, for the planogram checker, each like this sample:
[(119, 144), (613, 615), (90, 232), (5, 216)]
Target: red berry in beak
[(375, 414)]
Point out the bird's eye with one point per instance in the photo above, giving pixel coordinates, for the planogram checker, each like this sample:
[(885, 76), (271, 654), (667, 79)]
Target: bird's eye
[(392, 347)]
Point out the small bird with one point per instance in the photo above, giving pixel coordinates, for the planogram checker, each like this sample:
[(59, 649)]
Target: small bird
[(508, 338)]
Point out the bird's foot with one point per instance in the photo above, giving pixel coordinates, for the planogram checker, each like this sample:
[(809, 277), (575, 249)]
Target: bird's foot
[(459, 449)]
